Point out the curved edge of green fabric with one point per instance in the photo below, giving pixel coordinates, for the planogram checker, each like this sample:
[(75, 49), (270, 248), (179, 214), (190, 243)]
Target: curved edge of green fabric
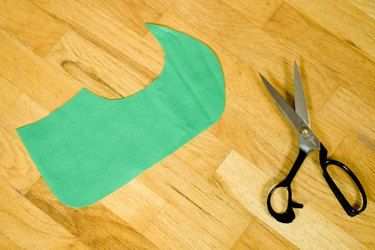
[(176, 46)]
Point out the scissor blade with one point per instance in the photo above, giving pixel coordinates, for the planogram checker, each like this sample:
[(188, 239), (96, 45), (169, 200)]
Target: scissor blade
[(285, 108), (299, 97)]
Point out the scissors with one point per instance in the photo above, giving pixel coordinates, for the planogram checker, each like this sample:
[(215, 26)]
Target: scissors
[(308, 142)]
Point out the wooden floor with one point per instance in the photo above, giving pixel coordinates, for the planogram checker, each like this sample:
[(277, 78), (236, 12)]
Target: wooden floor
[(210, 193)]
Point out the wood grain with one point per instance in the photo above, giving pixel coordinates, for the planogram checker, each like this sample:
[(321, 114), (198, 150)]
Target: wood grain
[(211, 192)]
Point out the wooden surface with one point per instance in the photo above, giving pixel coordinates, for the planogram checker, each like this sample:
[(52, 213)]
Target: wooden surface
[(210, 193)]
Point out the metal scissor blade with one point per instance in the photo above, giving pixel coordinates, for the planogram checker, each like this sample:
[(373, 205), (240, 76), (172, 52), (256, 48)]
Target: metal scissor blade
[(299, 97), (285, 108)]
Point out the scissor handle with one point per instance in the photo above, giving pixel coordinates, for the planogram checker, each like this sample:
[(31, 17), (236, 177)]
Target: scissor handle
[(288, 215), (325, 162)]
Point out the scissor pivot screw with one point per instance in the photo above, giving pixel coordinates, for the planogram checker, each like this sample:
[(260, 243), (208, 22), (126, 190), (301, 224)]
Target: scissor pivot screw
[(304, 131)]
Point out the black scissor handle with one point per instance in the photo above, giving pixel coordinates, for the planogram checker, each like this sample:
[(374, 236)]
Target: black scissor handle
[(288, 215), (325, 162)]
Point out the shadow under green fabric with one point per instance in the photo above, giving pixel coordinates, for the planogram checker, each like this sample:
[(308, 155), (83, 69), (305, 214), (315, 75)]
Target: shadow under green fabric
[(90, 146)]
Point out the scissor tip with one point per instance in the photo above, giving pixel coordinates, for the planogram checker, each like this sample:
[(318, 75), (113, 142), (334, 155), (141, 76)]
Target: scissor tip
[(264, 80)]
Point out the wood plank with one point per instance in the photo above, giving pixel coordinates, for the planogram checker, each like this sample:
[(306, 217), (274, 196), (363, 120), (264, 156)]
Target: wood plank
[(211, 218), (20, 218), (107, 28), (137, 196), (33, 27), (137, 13), (83, 223), (257, 12), (100, 72), (204, 205), (6, 243), (355, 118), (171, 228), (159, 221), (47, 86), (367, 7), (16, 107), (260, 236), (342, 20), (16, 166), (136, 204), (341, 63), (203, 154)]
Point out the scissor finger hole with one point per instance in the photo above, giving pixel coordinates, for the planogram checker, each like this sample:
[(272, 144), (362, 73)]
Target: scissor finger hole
[(346, 185), (279, 199)]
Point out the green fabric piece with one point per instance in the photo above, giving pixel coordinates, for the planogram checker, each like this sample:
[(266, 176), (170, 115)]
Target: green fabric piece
[(91, 146)]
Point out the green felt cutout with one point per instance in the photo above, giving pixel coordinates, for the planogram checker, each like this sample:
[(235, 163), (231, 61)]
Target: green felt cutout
[(91, 146)]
